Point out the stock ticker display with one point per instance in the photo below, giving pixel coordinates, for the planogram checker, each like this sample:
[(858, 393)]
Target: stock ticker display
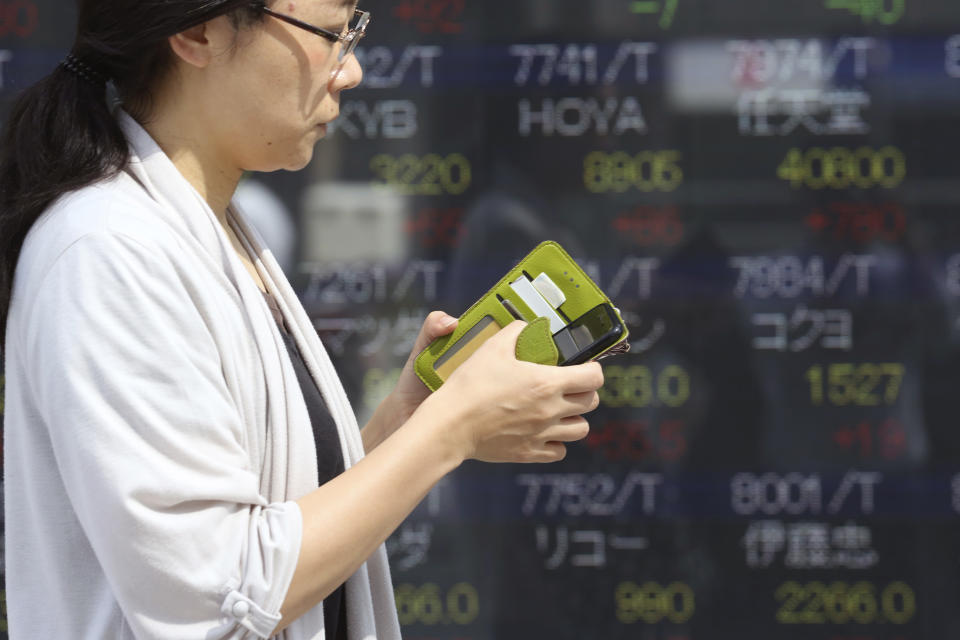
[(770, 193)]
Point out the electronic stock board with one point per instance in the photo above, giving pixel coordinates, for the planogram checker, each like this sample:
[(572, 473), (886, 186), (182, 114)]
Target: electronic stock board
[(770, 192)]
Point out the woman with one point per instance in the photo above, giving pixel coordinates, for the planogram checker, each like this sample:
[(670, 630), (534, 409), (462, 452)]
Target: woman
[(175, 437)]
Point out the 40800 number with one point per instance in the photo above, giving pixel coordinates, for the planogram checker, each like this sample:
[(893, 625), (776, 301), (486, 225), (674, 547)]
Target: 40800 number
[(842, 168)]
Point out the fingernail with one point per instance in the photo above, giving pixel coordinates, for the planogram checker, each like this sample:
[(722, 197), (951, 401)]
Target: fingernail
[(449, 322)]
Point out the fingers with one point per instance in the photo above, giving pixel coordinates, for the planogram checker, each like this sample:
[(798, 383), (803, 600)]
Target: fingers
[(546, 444), (576, 378), (529, 411), (565, 391), (570, 429), (579, 403), (579, 378), (550, 452), (506, 338), (437, 324), (551, 446)]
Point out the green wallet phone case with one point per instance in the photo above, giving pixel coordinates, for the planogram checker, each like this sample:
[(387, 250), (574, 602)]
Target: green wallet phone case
[(569, 318)]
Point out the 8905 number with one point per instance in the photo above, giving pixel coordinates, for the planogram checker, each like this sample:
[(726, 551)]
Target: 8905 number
[(620, 172)]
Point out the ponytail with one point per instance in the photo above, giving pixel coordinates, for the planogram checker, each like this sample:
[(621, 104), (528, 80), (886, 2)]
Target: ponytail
[(60, 136)]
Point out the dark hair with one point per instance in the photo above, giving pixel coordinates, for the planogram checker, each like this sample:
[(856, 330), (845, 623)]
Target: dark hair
[(61, 135)]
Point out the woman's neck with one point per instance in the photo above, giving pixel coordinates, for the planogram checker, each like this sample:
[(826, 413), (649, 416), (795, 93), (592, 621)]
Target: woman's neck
[(193, 153)]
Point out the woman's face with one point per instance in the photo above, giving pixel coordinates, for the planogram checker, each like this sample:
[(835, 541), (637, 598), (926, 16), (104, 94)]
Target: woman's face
[(271, 94)]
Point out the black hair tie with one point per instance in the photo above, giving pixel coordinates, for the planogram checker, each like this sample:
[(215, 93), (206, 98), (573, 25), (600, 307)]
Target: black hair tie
[(80, 68)]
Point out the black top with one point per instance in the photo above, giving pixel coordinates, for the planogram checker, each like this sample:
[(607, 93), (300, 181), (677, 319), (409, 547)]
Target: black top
[(329, 459)]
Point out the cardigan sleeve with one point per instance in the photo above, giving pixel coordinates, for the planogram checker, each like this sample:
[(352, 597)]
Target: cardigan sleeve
[(150, 446)]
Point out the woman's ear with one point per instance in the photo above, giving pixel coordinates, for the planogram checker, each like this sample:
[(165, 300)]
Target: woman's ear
[(198, 45), (192, 46)]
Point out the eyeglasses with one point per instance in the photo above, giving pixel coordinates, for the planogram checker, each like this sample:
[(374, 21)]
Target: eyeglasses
[(356, 29)]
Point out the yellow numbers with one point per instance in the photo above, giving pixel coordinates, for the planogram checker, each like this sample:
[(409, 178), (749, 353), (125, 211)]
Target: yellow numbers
[(429, 605), (860, 385), (638, 386), (842, 168), (429, 175), (652, 603), (886, 12), (898, 602), (841, 603), (619, 172)]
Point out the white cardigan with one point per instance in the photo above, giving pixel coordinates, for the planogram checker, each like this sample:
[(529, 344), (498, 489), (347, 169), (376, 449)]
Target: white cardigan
[(155, 434)]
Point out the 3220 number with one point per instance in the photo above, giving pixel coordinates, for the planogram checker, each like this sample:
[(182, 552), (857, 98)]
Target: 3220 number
[(429, 175)]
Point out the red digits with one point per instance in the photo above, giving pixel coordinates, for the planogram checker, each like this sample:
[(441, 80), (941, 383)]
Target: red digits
[(437, 228), (893, 439), (18, 18), (887, 440), (432, 16), (403, 11), (860, 222), (631, 440), (673, 443), (648, 226)]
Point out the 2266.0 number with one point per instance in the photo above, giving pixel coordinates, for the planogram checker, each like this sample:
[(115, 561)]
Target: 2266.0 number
[(840, 603)]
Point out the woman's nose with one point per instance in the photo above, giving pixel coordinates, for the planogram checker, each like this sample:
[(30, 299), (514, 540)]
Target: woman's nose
[(348, 75)]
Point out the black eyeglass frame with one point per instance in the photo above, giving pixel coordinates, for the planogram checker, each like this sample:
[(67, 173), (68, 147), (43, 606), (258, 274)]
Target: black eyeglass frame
[(349, 39)]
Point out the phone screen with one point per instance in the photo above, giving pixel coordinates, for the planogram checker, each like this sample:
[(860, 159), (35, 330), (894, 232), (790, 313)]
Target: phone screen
[(589, 335)]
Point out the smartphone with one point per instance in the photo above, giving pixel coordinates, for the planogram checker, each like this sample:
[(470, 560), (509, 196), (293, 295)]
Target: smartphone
[(589, 335)]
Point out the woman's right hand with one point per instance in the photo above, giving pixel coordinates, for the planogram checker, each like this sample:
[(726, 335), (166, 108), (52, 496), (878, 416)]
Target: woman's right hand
[(493, 407), (508, 410)]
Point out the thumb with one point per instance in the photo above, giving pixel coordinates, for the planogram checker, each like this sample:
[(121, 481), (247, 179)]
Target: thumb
[(507, 337), (436, 325)]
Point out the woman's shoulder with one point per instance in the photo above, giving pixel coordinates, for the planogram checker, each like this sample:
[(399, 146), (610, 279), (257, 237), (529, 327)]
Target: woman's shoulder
[(116, 207), (105, 222)]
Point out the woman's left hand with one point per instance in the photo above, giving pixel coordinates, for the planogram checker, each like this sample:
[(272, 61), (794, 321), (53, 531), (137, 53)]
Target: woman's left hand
[(410, 390)]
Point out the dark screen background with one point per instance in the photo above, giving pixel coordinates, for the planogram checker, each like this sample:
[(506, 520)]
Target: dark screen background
[(769, 192)]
